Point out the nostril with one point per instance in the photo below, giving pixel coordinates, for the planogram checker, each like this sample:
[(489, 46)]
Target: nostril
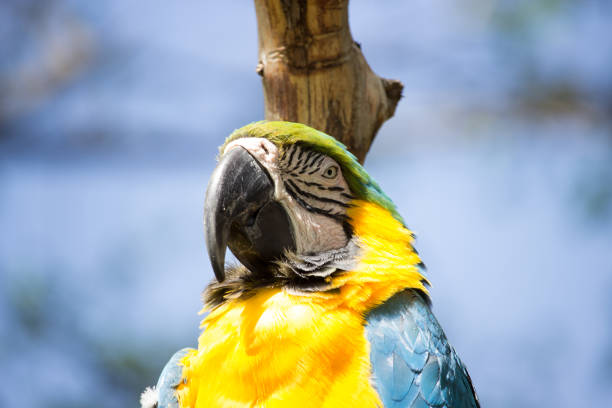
[(263, 146)]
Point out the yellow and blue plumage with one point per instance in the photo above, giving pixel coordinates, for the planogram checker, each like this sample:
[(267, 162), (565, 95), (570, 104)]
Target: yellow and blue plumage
[(336, 316)]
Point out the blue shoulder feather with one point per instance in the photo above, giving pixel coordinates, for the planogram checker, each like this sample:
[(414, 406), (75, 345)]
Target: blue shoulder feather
[(169, 379), (412, 363)]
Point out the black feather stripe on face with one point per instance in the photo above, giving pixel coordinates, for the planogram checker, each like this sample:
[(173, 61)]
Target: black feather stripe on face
[(301, 170), (313, 209), (316, 197)]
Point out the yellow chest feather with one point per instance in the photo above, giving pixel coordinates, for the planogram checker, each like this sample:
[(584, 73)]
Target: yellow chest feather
[(277, 349)]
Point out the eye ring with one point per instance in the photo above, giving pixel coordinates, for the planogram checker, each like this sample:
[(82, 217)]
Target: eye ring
[(331, 172)]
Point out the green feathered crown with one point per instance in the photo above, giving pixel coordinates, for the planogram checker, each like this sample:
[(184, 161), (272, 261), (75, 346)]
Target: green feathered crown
[(284, 134)]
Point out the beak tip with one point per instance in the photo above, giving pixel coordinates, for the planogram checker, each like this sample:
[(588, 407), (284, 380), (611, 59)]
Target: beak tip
[(219, 274), (218, 268), (217, 260)]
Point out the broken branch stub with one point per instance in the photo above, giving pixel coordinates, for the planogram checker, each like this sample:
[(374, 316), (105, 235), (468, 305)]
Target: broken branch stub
[(314, 73)]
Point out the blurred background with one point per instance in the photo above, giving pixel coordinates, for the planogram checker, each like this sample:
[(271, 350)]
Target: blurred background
[(499, 157)]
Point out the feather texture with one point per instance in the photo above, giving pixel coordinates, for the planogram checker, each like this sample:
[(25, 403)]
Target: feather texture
[(169, 380), (412, 363)]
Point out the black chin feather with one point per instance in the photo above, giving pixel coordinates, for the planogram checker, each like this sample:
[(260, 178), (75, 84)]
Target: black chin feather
[(296, 273)]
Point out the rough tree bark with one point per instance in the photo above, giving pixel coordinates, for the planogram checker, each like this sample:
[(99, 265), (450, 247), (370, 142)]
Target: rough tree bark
[(314, 73)]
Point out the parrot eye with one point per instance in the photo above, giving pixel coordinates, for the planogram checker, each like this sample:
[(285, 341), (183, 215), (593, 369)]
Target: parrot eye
[(331, 172)]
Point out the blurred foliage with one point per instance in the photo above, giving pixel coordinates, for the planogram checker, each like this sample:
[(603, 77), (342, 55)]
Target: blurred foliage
[(593, 195), (29, 299), (47, 316), (560, 98), (520, 18), (43, 48)]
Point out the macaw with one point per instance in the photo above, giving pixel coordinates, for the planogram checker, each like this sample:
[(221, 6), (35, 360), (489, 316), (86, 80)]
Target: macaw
[(329, 306)]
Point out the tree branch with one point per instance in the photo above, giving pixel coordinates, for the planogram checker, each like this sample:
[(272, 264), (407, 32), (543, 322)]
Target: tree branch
[(314, 73)]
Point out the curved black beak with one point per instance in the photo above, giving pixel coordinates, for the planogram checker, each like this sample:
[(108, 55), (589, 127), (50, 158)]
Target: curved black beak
[(240, 212)]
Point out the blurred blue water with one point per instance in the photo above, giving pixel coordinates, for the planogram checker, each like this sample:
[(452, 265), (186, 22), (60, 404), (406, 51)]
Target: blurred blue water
[(499, 157)]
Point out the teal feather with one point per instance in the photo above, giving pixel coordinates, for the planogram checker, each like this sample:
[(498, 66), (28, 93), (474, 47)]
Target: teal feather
[(412, 363), (169, 379)]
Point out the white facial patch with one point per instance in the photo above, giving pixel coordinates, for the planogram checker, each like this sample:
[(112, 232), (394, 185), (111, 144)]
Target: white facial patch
[(266, 154), (263, 150)]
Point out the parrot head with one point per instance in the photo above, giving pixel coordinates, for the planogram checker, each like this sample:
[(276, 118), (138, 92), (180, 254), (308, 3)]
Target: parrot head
[(283, 199)]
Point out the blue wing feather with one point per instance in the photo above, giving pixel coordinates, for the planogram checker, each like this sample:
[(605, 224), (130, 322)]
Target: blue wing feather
[(169, 379), (412, 363)]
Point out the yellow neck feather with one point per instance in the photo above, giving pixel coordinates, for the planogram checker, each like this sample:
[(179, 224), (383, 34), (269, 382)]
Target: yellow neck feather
[(388, 263)]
